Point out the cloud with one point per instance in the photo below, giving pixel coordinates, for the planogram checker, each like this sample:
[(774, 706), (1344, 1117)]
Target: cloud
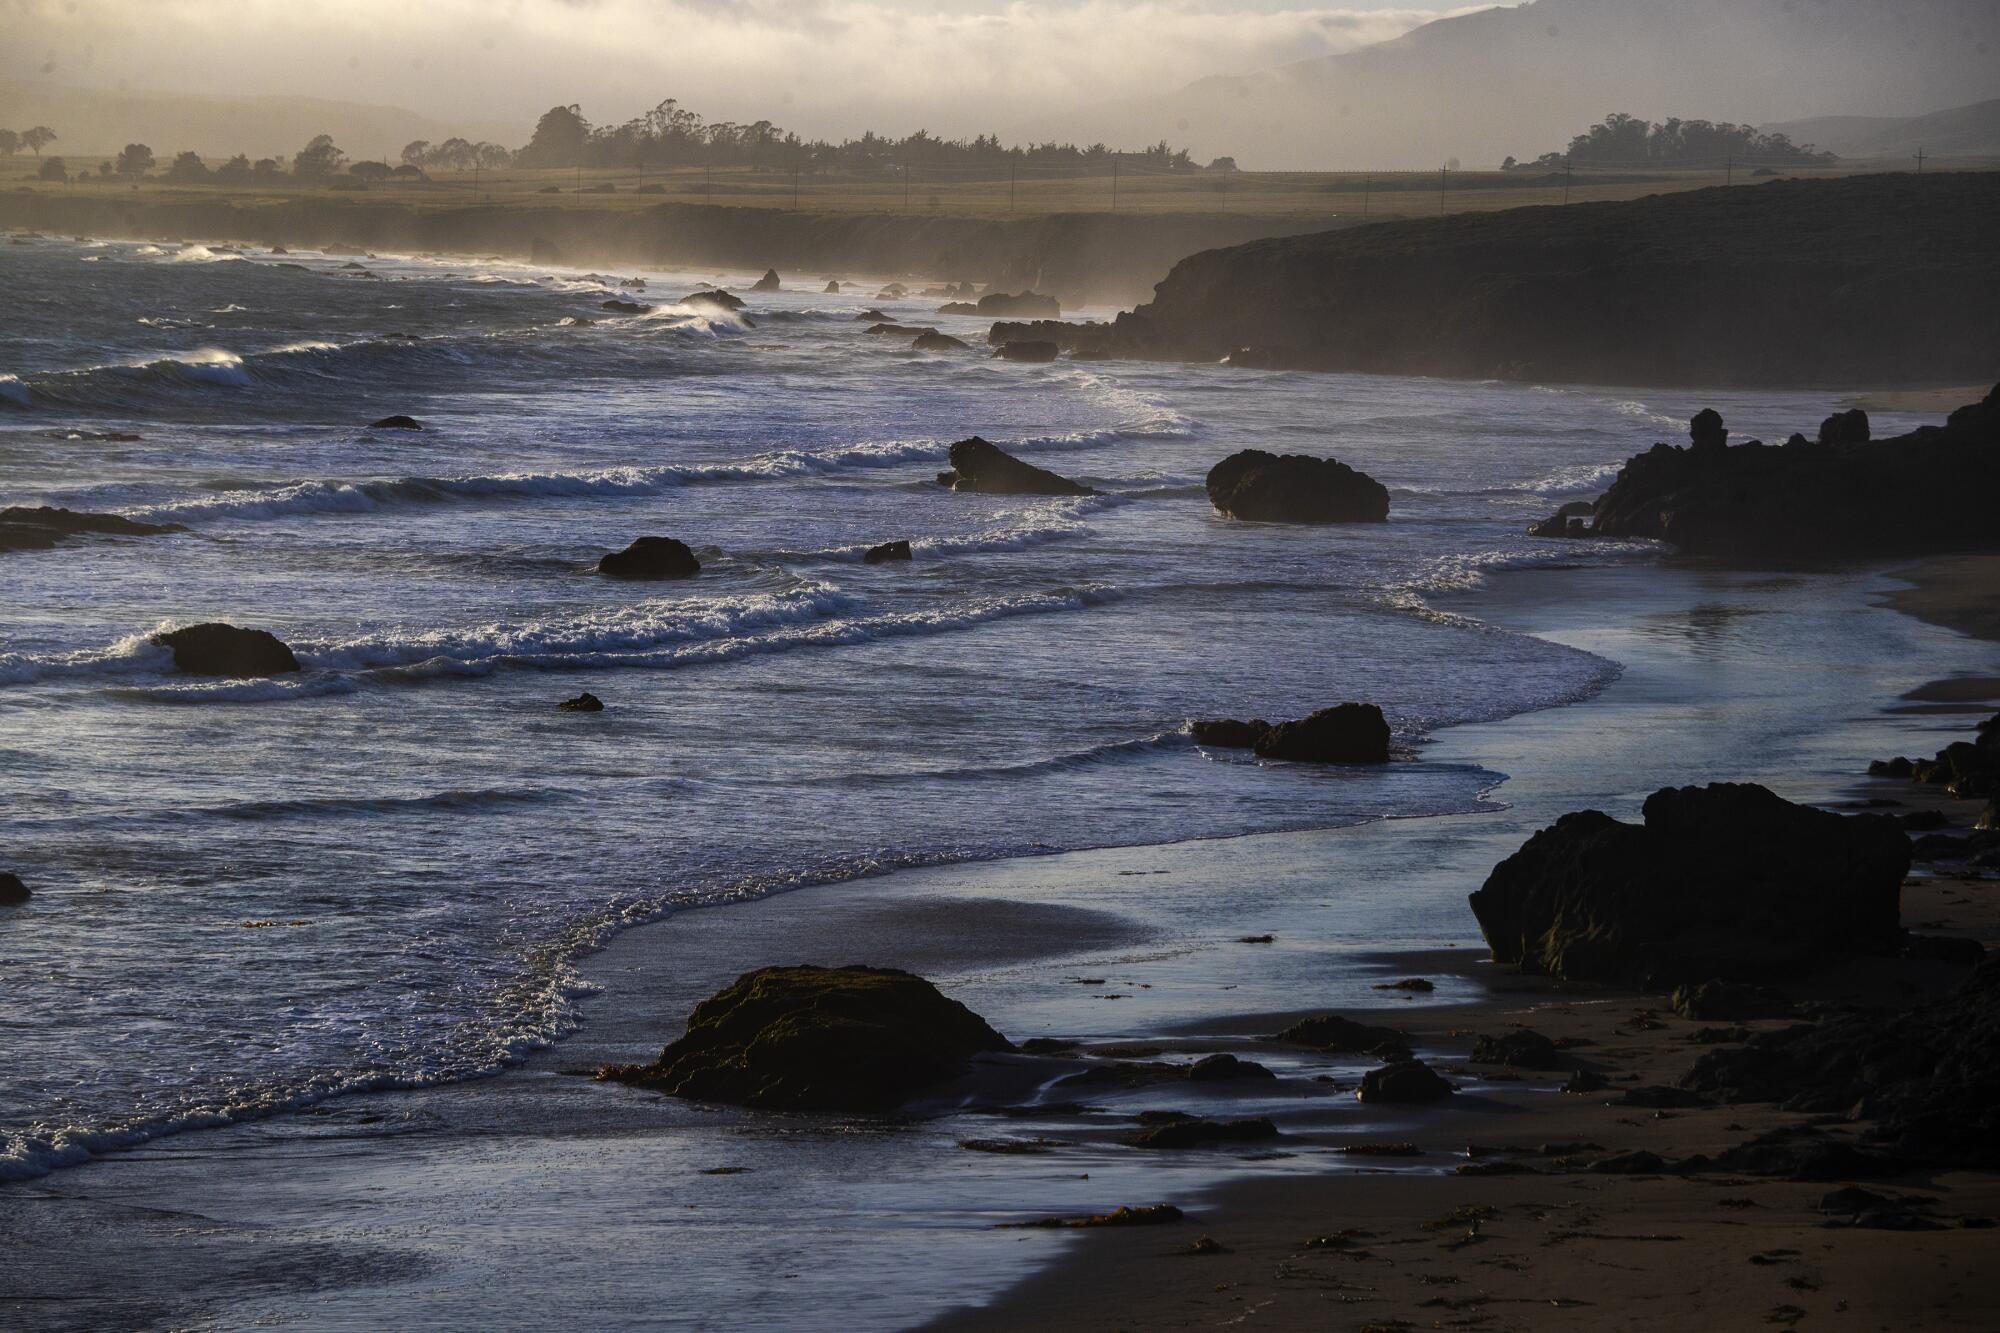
[(821, 66)]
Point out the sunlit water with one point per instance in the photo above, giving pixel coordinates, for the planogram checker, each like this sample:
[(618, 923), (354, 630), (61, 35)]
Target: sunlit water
[(251, 895)]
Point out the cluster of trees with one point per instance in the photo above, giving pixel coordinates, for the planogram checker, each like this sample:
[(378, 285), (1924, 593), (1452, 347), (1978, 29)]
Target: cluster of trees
[(671, 135), (321, 159), (456, 155), (34, 139), (1621, 140)]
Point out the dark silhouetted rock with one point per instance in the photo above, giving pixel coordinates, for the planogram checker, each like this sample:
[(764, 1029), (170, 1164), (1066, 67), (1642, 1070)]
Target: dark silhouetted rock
[(1344, 734), (979, 466), (13, 892), (932, 341), (1027, 351), (1953, 950), (831, 289), (767, 283), (1728, 1002), (1226, 733), (1849, 427), (900, 331), (1637, 1163), (1522, 1048), (1294, 488), (1200, 1133), (583, 703), (37, 529), (397, 422), (1343, 1036), (1223, 1068), (651, 558), (873, 316), (215, 649), (1025, 305), (887, 551), (818, 1039), (624, 307), (714, 300), (1568, 521), (1725, 881), (958, 308), (1404, 1081), (1706, 433)]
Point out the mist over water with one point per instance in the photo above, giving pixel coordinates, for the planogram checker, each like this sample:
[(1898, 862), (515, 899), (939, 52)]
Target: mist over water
[(251, 894)]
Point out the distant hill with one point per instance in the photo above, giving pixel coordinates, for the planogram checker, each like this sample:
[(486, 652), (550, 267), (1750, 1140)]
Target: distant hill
[(1501, 81), (1963, 131), (94, 122)]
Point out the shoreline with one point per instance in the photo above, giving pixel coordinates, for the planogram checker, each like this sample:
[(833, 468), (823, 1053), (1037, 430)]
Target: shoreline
[(1165, 924)]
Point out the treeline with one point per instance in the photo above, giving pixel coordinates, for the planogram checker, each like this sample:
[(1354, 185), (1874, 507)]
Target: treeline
[(1621, 140), (320, 160), (670, 135)]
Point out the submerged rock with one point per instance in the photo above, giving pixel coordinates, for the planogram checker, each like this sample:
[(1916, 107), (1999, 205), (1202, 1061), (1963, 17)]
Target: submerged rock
[(1027, 351), (13, 893), (583, 703), (651, 558), (216, 649), (396, 422), (1344, 734), (1199, 1133), (1295, 488), (37, 529), (979, 466), (767, 283), (818, 1039), (1343, 1036), (1407, 1081), (887, 551), (1723, 881)]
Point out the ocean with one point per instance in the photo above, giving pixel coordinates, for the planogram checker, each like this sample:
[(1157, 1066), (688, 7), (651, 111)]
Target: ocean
[(254, 896)]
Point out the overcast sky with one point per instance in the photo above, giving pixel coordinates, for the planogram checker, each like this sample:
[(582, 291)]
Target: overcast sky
[(822, 66)]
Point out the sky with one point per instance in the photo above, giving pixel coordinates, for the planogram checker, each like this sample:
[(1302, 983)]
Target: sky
[(819, 66)]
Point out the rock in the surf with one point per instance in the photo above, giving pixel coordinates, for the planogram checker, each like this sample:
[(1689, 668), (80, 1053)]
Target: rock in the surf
[(583, 703), (396, 422), (716, 299), (831, 288), (1023, 305), (767, 283), (1295, 488), (624, 307), (1849, 427), (979, 466), (1027, 351), (217, 649), (1343, 1036), (887, 551), (1403, 1081), (1226, 733), (23, 528), (1725, 881), (930, 340), (651, 558), (1344, 734), (1226, 1068), (13, 893), (818, 1039)]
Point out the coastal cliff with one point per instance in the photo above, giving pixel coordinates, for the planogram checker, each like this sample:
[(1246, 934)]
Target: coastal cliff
[(1861, 280)]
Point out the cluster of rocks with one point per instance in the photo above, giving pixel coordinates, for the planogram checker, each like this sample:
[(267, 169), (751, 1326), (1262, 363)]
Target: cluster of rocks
[(1841, 493), (37, 529), (1967, 770), (1295, 488), (1348, 733), (984, 468)]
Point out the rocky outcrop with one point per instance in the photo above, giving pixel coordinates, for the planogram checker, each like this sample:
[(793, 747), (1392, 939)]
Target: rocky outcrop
[(1027, 351), (1202, 1133), (583, 703), (396, 422), (39, 528), (832, 288), (1968, 770), (818, 1039), (887, 551), (216, 649), (1025, 305), (1725, 881), (1295, 488), (1226, 733), (1849, 427), (651, 558), (1522, 1048), (930, 340), (1226, 1068), (979, 466), (716, 299), (1928, 1077), (1344, 1036), (13, 893), (1845, 496), (768, 283), (900, 330), (1403, 1081), (958, 308), (617, 306), (1344, 734)]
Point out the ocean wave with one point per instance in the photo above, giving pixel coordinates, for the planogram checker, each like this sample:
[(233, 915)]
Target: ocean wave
[(273, 689), (1640, 412), (133, 654)]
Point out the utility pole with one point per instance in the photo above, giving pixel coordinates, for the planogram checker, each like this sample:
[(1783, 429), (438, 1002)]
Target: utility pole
[(1444, 173), (795, 187), (1114, 182), (579, 180), (906, 187), (1921, 155), (1367, 188), (1567, 162), (1729, 170), (1012, 169)]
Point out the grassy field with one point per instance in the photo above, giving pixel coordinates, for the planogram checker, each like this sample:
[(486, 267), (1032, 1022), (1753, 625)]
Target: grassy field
[(1347, 195)]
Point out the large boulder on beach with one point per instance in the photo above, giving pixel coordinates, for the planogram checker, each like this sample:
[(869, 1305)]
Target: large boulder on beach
[(767, 283), (1403, 1081), (13, 893), (1344, 734), (1022, 305), (1295, 488), (216, 649), (1726, 881), (651, 558), (38, 528), (818, 1039), (979, 466)]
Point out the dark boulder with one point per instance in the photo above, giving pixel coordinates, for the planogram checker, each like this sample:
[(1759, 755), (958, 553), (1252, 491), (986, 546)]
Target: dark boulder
[(1343, 1036), (1226, 733), (396, 422), (216, 649), (895, 291), (1706, 431), (1725, 881), (1728, 1002), (1406, 1081), (1522, 1048), (818, 1039), (1295, 488), (1224, 1068), (1200, 1133), (624, 307), (887, 551), (958, 308), (13, 892), (714, 300), (900, 330), (1024, 305), (1027, 351), (1567, 521), (1928, 1076), (651, 558), (23, 528), (1849, 427), (930, 340), (767, 283), (832, 288), (978, 466), (1344, 734), (583, 703), (873, 316)]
